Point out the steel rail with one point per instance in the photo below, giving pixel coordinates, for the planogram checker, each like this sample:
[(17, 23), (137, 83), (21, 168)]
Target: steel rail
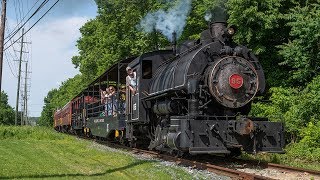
[(235, 174), (293, 169)]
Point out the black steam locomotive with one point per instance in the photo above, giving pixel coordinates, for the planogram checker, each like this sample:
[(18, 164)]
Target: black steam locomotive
[(193, 99)]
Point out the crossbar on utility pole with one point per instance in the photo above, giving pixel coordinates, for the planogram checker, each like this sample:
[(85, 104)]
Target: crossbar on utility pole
[(19, 77), (2, 28)]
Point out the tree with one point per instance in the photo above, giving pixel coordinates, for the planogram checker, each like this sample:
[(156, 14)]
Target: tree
[(46, 118), (113, 35), (57, 98), (6, 112), (302, 51), (262, 26)]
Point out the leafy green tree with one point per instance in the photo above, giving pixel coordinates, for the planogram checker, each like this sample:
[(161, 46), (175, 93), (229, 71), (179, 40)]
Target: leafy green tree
[(113, 35), (262, 26), (46, 118), (57, 98), (302, 51), (6, 112)]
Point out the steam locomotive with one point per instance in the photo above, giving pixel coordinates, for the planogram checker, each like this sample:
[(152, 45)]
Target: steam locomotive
[(193, 99)]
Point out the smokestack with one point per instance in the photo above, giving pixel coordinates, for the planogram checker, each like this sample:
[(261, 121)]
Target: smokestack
[(219, 21), (174, 42), (217, 30), (155, 39)]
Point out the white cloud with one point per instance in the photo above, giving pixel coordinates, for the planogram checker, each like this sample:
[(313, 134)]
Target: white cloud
[(53, 45)]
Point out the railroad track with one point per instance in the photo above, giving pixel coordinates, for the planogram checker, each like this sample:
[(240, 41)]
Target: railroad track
[(258, 167), (234, 174), (223, 166)]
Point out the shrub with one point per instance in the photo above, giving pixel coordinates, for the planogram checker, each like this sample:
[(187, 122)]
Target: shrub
[(28, 132)]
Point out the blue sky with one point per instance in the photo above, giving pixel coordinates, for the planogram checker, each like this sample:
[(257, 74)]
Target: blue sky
[(53, 44)]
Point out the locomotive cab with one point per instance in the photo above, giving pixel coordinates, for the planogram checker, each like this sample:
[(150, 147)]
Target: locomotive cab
[(138, 111)]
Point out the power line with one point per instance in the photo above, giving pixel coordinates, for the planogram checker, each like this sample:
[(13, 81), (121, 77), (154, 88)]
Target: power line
[(32, 25), (14, 32), (14, 51), (8, 62), (12, 58), (15, 9), (18, 23), (19, 8), (37, 10)]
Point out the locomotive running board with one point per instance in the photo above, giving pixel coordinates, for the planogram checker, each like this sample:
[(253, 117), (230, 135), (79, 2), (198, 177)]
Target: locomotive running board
[(207, 150)]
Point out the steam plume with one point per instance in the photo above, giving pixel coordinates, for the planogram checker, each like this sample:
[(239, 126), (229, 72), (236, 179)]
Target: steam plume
[(208, 16), (217, 13), (168, 21)]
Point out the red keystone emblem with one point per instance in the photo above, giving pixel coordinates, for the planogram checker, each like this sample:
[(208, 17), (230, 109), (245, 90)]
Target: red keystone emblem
[(235, 81)]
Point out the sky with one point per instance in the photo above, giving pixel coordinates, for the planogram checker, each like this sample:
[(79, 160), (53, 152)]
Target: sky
[(53, 43)]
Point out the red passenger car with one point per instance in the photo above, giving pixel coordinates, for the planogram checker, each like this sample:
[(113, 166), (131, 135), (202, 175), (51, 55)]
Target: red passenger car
[(62, 118), (71, 116)]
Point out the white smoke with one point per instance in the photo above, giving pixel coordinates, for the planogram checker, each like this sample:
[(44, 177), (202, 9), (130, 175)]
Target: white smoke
[(217, 12), (208, 16), (168, 21)]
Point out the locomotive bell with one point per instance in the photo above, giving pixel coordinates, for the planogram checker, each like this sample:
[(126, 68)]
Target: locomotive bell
[(233, 81)]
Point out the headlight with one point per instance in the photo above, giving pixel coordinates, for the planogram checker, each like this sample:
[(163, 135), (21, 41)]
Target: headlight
[(231, 31)]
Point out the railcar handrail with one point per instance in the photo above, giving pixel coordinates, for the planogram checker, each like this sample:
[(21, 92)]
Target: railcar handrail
[(112, 108)]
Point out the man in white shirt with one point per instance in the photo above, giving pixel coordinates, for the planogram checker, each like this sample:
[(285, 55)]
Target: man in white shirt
[(131, 80)]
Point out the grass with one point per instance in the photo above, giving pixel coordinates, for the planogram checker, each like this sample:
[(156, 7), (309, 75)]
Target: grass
[(27, 152), (285, 159)]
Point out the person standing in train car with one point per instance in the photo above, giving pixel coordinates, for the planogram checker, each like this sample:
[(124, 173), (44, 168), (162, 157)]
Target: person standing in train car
[(102, 96), (111, 102), (122, 99), (105, 101), (131, 88)]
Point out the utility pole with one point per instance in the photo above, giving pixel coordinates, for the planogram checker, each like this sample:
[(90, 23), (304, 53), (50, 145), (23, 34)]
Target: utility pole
[(19, 77), (21, 114), (26, 96), (2, 29)]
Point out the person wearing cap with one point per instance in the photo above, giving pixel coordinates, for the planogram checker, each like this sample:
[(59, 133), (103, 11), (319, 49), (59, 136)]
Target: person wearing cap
[(131, 80)]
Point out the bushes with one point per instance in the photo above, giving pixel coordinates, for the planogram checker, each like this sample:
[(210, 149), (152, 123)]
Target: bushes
[(300, 111), (6, 112), (308, 148), (27, 132)]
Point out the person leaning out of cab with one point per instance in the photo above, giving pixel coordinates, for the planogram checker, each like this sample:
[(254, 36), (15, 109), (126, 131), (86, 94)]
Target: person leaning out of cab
[(131, 80)]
